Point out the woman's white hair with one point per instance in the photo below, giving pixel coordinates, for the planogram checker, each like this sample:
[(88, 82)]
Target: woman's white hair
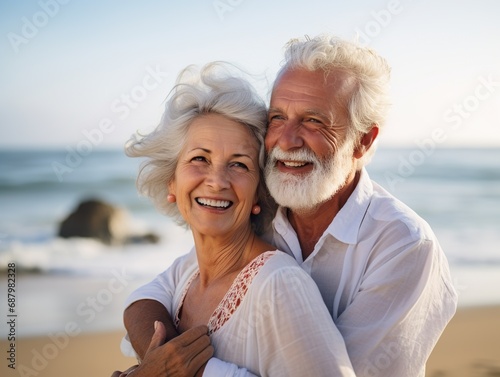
[(369, 102), (216, 88)]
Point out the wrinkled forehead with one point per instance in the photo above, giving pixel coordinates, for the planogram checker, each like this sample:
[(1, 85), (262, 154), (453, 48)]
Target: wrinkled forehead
[(318, 91), (217, 131), (334, 81)]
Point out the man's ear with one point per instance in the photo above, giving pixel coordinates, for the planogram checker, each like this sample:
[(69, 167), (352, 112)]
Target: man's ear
[(366, 142)]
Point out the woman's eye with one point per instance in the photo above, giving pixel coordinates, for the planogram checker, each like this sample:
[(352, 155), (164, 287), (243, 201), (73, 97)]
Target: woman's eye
[(240, 165), (199, 158)]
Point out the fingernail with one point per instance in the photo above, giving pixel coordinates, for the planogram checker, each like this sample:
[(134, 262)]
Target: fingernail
[(156, 325)]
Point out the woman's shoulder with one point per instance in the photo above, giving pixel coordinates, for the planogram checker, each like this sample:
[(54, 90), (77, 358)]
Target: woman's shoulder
[(279, 266), (280, 258), (282, 277), (181, 266), (272, 260)]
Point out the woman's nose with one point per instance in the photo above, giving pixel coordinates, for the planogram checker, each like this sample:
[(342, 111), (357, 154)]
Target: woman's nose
[(218, 178)]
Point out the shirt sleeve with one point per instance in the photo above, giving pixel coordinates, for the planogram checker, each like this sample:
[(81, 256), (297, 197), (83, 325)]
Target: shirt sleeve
[(219, 368), (400, 309), (161, 289), (296, 335)]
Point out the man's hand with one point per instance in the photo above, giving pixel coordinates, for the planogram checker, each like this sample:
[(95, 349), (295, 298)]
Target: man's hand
[(184, 356)]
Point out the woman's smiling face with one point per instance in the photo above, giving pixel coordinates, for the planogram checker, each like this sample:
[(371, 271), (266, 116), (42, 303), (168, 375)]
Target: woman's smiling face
[(217, 175)]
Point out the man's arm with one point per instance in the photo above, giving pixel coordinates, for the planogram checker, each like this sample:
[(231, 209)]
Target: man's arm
[(403, 304), (139, 319)]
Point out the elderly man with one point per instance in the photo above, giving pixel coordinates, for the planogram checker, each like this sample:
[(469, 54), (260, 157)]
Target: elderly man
[(379, 267)]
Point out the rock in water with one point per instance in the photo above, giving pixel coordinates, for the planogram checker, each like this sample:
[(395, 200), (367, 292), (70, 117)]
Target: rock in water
[(96, 219)]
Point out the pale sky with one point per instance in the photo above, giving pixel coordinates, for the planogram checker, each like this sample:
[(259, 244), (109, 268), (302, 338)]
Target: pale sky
[(70, 67)]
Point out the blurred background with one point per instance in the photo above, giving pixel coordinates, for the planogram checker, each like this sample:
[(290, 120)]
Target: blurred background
[(78, 78)]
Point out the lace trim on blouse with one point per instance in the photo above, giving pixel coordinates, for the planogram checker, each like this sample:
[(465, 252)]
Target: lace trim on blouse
[(233, 297)]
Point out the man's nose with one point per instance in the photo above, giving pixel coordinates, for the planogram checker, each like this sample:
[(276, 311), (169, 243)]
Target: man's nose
[(290, 136)]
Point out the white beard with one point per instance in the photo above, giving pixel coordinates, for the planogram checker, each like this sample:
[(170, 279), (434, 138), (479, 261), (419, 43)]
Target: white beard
[(302, 193)]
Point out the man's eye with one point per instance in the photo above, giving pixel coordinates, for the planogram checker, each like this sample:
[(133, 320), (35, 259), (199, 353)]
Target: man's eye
[(312, 120), (275, 117)]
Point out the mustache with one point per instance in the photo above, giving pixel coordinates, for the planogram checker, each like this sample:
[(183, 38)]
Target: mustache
[(303, 154)]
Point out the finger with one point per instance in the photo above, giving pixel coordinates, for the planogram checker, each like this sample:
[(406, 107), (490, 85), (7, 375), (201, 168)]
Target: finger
[(201, 358), (117, 373), (158, 337), (188, 358), (130, 370), (192, 350), (189, 345), (191, 335)]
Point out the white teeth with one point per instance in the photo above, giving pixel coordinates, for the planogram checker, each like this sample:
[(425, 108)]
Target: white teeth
[(294, 164), (214, 203)]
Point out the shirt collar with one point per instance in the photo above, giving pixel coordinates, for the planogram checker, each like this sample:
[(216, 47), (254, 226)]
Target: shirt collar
[(346, 224)]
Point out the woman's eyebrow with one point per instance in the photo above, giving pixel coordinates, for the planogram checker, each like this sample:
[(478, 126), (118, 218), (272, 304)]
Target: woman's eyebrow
[(206, 150), (242, 155), (200, 148)]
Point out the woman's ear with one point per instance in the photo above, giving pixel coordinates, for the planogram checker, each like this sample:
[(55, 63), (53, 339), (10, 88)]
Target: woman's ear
[(366, 142), (171, 192)]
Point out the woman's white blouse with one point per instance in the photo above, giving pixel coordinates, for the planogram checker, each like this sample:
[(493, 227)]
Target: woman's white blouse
[(281, 327)]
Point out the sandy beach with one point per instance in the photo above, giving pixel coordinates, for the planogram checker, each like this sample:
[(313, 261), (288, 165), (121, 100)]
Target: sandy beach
[(469, 347)]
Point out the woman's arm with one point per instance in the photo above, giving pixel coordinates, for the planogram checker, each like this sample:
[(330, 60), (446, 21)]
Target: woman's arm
[(151, 302), (139, 319)]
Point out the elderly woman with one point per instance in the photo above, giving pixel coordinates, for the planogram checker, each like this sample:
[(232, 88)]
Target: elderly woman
[(204, 168)]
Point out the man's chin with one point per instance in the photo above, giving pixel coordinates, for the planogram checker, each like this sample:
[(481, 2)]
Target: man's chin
[(294, 199), (303, 193), (304, 211)]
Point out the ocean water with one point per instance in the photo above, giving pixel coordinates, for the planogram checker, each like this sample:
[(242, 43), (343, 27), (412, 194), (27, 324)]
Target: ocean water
[(84, 283)]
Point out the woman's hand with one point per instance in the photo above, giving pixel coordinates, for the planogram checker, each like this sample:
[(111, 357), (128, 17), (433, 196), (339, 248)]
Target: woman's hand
[(183, 356), (124, 374)]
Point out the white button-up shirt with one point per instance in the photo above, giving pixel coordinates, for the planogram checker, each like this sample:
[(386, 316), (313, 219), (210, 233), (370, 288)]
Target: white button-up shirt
[(384, 278)]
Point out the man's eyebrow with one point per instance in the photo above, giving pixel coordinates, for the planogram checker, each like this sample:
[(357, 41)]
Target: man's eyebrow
[(274, 110), (307, 112), (316, 113)]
